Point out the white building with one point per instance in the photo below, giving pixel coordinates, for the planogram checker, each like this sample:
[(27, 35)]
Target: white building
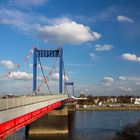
[(137, 101)]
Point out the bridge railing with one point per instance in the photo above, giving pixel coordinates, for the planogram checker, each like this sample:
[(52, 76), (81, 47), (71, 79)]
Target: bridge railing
[(9, 103)]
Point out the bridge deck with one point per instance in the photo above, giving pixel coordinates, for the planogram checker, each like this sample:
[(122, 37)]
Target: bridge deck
[(9, 103), (16, 113)]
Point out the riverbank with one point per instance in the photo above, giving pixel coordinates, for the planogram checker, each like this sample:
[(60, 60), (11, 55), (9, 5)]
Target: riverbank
[(110, 108)]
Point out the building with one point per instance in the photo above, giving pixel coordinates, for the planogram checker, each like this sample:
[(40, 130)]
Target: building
[(137, 101)]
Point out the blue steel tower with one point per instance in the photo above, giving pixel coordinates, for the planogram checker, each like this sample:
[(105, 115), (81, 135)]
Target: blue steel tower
[(48, 53)]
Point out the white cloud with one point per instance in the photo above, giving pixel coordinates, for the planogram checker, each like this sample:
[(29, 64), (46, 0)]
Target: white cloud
[(122, 18), (55, 77), (130, 57), (132, 80), (126, 89), (92, 56), (108, 80), (53, 30), (137, 83), (22, 20), (122, 78), (105, 47), (67, 33), (20, 75), (60, 20), (15, 18), (7, 63), (109, 89)]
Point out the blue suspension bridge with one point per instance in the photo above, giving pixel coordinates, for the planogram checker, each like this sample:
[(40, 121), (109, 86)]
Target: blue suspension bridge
[(19, 111)]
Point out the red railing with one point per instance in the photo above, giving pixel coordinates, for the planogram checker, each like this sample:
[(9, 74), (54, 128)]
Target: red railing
[(12, 126)]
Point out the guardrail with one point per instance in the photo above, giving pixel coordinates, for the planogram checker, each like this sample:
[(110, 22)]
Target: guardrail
[(9, 103)]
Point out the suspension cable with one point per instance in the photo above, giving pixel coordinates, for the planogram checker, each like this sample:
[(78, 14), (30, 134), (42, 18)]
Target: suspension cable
[(16, 67), (44, 75), (51, 68), (65, 80)]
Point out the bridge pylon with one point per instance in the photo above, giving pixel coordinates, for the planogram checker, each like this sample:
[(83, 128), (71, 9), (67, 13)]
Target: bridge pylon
[(38, 53)]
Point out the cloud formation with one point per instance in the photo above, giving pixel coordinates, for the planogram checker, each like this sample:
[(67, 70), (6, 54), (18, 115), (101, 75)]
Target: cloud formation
[(122, 18), (130, 57), (105, 47), (7, 63), (15, 18), (108, 80), (20, 75), (59, 30), (122, 78), (55, 77), (59, 20), (126, 89), (67, 33), (130, 79), (92, 56)]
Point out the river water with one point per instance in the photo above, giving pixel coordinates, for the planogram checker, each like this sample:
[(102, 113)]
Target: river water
[(90, 125)]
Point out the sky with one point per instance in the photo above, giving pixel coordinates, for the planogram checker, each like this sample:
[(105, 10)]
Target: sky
[(100, 40)]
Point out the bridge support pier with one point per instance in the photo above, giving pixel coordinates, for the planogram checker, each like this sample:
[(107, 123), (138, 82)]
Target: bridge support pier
[(53, 124)]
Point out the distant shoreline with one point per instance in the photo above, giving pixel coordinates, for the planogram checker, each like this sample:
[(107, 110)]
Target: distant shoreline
[(105, 108), (112, 108)]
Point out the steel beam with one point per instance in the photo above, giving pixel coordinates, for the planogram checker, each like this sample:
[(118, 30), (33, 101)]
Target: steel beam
[(48, 53), (35, 70), (61, 71)]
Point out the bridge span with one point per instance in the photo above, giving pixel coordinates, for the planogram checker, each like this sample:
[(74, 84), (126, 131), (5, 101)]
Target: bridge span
[(17, 112)]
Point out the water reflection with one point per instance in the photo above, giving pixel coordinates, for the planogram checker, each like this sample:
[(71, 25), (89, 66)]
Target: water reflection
[(90, 125), (129, 132)]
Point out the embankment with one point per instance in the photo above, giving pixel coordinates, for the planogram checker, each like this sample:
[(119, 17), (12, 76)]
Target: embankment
[(110, 108)]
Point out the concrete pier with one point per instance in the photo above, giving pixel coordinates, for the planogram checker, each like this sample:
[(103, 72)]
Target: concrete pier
[(54, 123)]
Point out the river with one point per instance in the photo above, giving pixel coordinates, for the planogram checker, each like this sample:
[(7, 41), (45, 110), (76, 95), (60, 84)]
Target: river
[(90, 125)]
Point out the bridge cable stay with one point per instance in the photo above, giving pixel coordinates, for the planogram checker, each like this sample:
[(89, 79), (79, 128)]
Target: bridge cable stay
[(28, 88), (65, 80), (39, 78), (16, 67), (53, 73), (56, 83), (26, 65), (46, 78), (29, 63), (66, 84), (54, 69), (30, 71), (26, 69), (8, 74)]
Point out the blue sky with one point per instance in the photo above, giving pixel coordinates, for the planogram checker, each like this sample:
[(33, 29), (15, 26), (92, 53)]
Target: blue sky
[(100, 40)]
